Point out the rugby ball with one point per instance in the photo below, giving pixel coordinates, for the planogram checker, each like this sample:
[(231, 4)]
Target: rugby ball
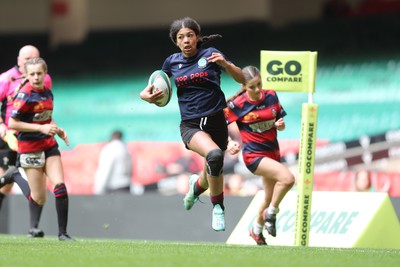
[(161, 82)]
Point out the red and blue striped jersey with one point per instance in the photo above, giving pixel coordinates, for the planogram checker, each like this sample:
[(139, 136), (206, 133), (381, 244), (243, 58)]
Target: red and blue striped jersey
[(9, 81), (33, 106), (256, 122)]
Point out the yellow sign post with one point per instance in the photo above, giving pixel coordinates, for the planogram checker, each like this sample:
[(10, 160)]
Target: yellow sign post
[(305, 181), (291, 71)]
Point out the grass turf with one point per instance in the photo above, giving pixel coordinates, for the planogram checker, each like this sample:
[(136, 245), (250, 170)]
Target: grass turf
[(18, 251)]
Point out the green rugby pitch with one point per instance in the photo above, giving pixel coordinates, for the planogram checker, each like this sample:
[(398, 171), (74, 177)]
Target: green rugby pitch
[(18, 251)]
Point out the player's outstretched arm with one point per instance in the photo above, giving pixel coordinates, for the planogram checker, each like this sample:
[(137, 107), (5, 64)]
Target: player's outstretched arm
[(234, 71)]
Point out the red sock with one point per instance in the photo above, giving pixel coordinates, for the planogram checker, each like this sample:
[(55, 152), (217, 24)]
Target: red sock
[(198, 190), (218, 200)]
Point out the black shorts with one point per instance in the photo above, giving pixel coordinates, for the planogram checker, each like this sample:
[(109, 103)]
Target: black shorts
[(52, 151), (8, 157), (254, 165), (215, 125)]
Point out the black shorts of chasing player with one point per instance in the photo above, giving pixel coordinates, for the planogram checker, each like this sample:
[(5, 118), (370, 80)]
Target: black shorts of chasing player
[(215, 125), (254, 165), (52, 151), (8, 157)]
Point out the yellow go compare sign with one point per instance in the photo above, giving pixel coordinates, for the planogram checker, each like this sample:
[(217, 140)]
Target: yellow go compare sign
[(293, 71), (289, 71)]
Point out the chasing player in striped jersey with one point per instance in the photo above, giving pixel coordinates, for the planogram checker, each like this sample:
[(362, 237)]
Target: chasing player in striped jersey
[(257, 115), (38, 152), (9, 83)]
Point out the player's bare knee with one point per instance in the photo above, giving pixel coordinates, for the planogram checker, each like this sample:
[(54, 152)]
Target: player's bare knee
[(6, 189), (39, 201), (288, 181), (215, 162)]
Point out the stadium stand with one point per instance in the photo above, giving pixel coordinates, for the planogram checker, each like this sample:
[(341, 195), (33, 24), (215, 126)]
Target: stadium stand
[(96, 84)]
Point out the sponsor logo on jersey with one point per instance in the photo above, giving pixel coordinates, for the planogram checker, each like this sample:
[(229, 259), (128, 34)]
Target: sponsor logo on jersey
[(262, 126), (16, 104), (202, 62), (38, 108), (43, 116), (251, 116)]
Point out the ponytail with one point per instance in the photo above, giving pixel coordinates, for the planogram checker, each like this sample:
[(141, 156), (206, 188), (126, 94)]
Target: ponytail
[(13, 79), (241, 91), (22, 84), (206, 39), (249, 73)]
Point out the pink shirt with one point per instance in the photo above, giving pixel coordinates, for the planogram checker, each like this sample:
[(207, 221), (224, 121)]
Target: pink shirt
[(7, 90)]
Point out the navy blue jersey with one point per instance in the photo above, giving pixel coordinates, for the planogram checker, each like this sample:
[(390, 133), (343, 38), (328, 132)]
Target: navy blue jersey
[(197, 82)]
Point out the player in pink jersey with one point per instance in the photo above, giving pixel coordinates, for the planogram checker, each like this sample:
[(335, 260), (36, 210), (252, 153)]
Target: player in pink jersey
[(257, 114), (9, 82)]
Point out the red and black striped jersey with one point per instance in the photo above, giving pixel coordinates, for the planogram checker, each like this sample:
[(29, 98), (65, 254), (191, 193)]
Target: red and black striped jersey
[(33, 106), (256, 122)]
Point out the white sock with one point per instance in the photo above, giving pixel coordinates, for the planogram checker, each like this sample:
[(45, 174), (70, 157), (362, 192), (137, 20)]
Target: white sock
[(272, 210), (257, 228)]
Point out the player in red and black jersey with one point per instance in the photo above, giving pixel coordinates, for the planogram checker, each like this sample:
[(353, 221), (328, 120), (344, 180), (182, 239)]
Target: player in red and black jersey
[(257, 115), (196, 71), (9, 84), (38, 152)]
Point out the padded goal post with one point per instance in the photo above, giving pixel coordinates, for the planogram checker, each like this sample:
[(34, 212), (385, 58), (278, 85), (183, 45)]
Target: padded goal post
[(295, 71)]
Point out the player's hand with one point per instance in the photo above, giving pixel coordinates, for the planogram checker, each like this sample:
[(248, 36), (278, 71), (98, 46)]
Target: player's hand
[(49, 129), (233, 147), (218, 58), (280, 124), (11, 140), (63, 135), (149, 96), (3, 130)]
